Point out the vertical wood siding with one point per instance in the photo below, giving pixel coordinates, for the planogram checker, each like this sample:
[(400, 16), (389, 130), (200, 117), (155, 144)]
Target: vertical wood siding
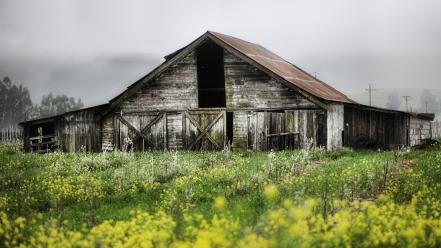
[(419, 131), (278, 130), (78, 131), (335, 126), (388, 130)]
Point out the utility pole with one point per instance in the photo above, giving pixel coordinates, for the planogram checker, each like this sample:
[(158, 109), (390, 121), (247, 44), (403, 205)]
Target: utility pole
[(370, 94), (426, 107), (406, 98)]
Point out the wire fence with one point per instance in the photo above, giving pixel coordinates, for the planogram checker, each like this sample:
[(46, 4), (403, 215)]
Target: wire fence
[(11, 134)]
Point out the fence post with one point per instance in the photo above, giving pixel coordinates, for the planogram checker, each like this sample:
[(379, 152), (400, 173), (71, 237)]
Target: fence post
[(10, 134)]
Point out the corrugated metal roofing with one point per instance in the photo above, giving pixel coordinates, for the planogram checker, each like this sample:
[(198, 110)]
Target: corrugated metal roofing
[(283, 68)]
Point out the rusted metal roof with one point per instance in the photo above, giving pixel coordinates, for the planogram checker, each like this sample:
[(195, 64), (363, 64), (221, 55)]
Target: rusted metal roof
[(51, 118), (284, 69)]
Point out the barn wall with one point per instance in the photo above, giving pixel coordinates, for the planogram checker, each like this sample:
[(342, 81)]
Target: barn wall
[(240, 129), (363, 126), (248, 87), (175, 88), (286, 129), (334, 123), (107, 133), (79, 131), (174, 92), (419, 131), (174, 130)]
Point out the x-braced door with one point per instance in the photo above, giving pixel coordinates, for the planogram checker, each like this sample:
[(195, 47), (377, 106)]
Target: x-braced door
[(141, 132), (204, 130)]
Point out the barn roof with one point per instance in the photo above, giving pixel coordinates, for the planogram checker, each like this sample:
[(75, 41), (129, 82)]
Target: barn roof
[(423, 116), (259, 56), (279, 66), (53, 117), (284, 69)]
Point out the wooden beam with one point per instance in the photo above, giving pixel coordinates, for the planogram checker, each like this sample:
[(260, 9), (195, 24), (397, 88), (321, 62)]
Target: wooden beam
[(134, 129), (204, 131), (150, 124)]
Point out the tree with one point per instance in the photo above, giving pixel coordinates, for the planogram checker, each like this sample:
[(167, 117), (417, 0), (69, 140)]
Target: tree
[(54, 105), (393, 101), (15, 103), (428, 102)]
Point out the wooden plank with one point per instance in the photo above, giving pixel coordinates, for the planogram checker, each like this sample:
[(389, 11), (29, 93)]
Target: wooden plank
[(153, 122), (131, 127), (205, 130), (281, 134), (164, 130)]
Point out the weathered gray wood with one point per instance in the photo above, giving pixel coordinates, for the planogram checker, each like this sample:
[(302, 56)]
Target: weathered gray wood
[(335, 126), (134, 129), (247, 86), (153, 122), (386, 129), (204, 131), (175, 88), (419, 131), (240, 132)]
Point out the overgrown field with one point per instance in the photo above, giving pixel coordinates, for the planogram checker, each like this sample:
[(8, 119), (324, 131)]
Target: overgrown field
[(221, 199)]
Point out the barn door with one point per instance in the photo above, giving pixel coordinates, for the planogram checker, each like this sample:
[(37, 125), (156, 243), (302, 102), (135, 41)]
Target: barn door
[(204, 130), (270, 130), (257, 130), (141, 132)]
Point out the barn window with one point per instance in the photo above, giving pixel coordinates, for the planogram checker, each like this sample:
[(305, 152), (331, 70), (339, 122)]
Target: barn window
[(211, 79)]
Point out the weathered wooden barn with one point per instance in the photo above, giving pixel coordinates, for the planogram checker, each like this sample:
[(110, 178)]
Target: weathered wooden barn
[(221, 90)]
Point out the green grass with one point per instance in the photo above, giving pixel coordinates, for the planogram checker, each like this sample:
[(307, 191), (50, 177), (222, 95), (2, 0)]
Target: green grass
[(91, 188)]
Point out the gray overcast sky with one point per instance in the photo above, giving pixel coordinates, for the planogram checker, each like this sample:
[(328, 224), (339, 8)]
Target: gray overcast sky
[(94, 49)]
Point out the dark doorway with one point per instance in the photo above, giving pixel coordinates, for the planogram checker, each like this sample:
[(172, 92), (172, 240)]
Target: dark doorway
[(230, 127), (211, 79), (43, 129)]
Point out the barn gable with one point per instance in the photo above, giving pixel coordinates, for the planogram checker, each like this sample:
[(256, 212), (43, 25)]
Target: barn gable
[(242, 86), (289, 75)]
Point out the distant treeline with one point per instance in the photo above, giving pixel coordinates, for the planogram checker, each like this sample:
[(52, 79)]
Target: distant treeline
[(16, 104), (428, 102)]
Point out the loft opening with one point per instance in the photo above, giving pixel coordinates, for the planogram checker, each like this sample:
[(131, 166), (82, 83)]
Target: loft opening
[(211, 78)]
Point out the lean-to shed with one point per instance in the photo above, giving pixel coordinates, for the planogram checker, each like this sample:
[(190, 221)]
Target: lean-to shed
[(220, 90)]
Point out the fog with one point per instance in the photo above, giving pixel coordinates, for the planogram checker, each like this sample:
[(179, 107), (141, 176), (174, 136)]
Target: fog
[(95, 49)]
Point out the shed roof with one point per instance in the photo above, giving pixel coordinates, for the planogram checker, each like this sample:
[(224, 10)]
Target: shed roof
[(53, 117)]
